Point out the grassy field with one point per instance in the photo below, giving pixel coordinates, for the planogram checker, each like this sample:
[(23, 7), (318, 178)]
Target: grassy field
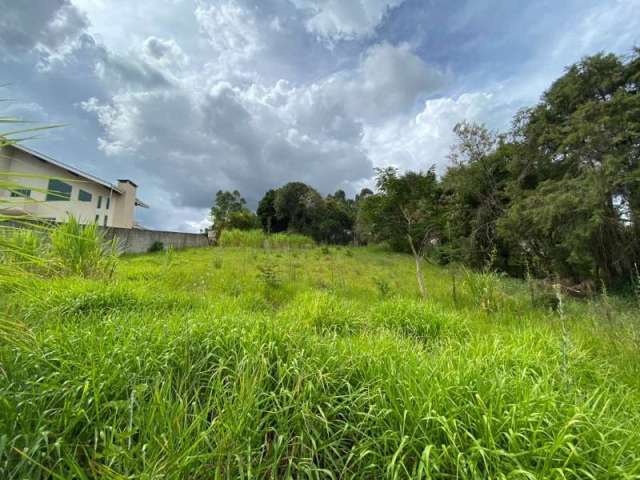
[(244, 362)]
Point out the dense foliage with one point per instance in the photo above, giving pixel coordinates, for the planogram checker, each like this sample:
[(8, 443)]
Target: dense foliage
[(296, 207), (556, 196), (230, 211)]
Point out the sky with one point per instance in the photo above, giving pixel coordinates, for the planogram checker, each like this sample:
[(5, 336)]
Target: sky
[(187, 97)]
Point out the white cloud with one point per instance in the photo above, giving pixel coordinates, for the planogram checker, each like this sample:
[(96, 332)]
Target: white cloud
[(424, 139), (195, 142), (230, 29), (344, 20)]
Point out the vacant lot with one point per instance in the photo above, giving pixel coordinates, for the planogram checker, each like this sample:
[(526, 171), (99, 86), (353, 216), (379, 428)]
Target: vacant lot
[(241, 362)]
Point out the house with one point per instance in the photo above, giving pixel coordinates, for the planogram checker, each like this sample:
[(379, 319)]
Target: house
[(51, 190)]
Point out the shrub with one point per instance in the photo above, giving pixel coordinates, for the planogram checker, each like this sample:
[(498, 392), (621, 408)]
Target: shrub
[(156, 246), (484, 288), (82, 249), (383, 287)]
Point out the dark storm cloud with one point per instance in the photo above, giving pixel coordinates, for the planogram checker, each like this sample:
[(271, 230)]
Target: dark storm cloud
[(49, 26)]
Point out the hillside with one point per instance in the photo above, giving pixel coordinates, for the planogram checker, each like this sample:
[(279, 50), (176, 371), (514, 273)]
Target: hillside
[(244, 362)]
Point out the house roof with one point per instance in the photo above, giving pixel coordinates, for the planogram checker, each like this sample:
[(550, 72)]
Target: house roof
[(76, 171)]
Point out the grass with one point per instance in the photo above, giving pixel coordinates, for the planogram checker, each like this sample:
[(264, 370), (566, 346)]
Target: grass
[(251, 362), (259, 239), (68, 248)]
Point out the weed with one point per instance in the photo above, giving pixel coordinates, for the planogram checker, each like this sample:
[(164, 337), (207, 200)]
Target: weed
[(83, 250), (636, 283), (484, 288), (168, 258), (268, 275), (383, 287)]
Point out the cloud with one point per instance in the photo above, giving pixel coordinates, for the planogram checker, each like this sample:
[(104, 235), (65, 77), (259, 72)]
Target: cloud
[(424, 139), (345, 20), (194, 143), (230, 29), (164, 52), (190, 96), (388, 82), (52, 28), (199, 134)]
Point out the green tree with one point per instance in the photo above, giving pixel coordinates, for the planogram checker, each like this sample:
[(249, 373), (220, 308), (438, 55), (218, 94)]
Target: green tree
[(405, 213), (230, 211), (267, 214), (336, 220), (298, 206), (475, 196), (576, 176)]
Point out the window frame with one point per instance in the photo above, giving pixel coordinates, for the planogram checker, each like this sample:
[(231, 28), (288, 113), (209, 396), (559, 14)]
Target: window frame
[(85, 200), (56, 195), (20, 193)]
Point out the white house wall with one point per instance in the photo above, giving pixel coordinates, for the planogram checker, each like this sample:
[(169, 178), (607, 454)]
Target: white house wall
[(31, 172)]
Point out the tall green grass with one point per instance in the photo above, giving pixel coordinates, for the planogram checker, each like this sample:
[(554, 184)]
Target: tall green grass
[(260, 239), (193, 365), (68, 248)]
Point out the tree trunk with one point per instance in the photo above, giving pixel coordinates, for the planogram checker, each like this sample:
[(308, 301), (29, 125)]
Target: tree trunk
[(419, 277)]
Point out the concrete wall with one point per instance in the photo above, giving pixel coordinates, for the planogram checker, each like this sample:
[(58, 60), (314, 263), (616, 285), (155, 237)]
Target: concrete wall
[(139, 241)]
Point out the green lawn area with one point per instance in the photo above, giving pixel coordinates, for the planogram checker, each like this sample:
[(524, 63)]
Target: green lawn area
[(241, 362)]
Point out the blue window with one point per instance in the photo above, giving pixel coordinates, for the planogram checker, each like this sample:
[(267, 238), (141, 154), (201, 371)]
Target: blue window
[(21, 192), (58, 191), (84, 196)]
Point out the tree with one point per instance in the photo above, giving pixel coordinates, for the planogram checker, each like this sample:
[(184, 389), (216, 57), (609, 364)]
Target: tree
[(243, 220), (299, 206), (475, 196), (267, 214), (229, 210), (576, 176), (336, 221), (405, 213)]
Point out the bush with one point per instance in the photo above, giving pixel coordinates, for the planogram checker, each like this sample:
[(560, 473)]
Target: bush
[(82, 250), (156, 246), (484, 288)]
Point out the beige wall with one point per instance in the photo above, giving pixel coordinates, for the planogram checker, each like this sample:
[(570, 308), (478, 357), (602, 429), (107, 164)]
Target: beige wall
[(31, 172)]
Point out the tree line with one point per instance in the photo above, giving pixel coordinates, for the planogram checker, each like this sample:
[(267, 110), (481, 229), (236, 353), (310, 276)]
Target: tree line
[(558, 195)]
